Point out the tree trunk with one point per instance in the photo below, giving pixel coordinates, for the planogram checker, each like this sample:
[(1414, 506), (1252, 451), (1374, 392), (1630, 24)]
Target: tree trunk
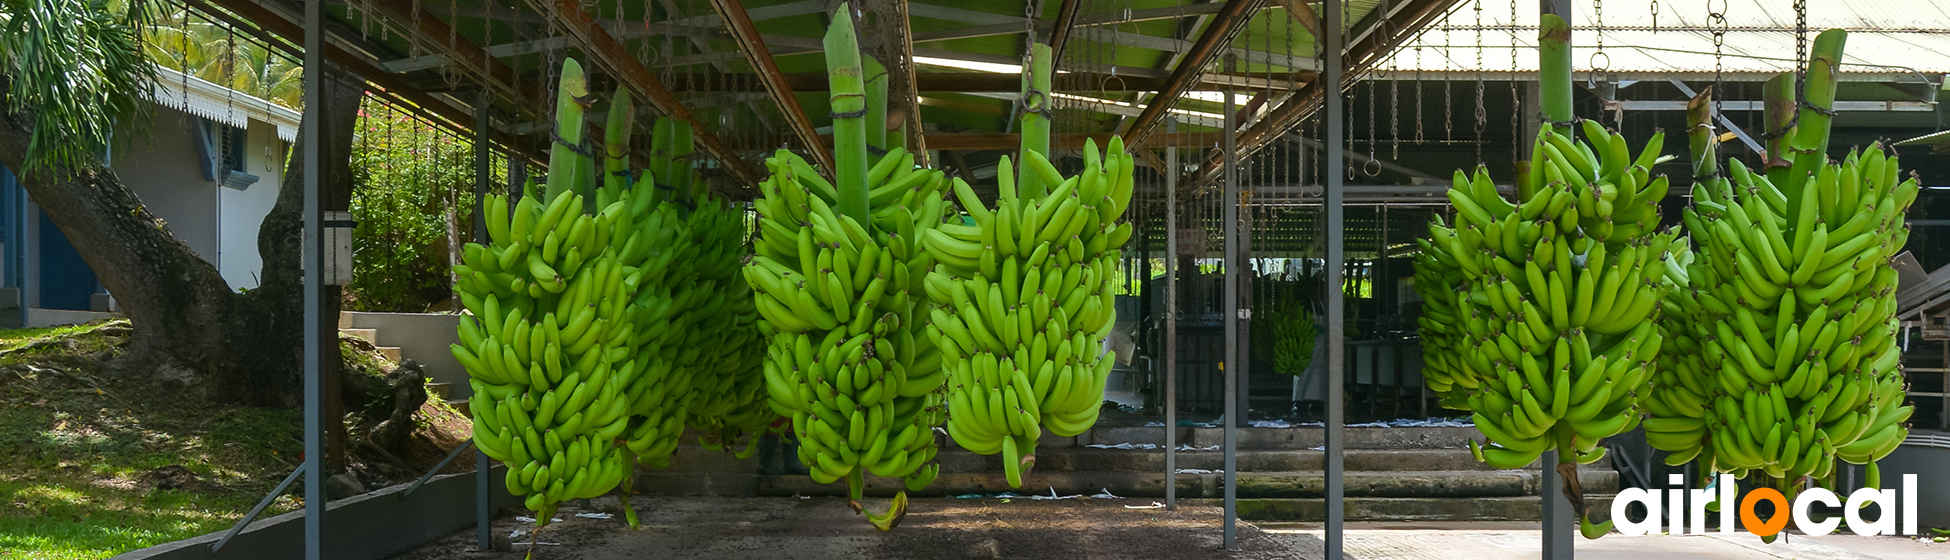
[(190, 326)]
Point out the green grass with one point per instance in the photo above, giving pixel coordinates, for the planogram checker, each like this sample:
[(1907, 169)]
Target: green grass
[(77, 441)]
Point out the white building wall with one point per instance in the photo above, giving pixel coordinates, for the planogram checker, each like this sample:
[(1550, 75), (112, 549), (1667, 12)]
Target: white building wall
[(161, 169), (241, 212)]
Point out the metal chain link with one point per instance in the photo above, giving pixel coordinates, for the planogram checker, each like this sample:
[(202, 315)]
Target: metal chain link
[(1716, 22), (1482, 114), (1800, 41), (1599, 68), (1418, 95), (1516, 97), (1654, 8)]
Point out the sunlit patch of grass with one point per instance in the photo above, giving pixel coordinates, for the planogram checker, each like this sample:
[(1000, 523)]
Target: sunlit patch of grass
[(76, 441)]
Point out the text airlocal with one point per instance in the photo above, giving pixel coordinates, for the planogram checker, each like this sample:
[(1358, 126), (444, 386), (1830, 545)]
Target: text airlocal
[(1691, 519)]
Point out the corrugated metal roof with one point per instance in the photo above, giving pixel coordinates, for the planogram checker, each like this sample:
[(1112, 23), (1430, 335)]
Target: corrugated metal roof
[(1887, 37)]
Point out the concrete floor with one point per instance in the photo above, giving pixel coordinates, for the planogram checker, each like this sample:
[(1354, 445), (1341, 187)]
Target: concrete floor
[(811, 528), (1522, 541)]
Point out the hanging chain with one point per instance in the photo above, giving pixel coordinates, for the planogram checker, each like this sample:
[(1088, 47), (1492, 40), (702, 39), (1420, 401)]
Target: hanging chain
[(1482, 114), (1716, 22), (1600, 62), (1394, 93), (1655, 15), (412, 35), (1419, 138), (1448, 87), (1800, 41), (1516, 97)]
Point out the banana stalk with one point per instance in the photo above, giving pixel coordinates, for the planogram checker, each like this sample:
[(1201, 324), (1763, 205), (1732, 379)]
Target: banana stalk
[(1540, 312), (1788, 327), (1034, 123), (849, 102), (837, 279), (1777, 98), (1808, 150)]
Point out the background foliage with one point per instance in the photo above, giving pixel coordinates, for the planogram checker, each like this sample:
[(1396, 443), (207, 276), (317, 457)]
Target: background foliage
[(411, 181)]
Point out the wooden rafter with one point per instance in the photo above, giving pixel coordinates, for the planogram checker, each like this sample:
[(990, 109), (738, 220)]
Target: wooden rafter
[(739, 22), (1226, 23), (1364, 53), (1303, 12), (1066, 19), (237, 12), (611, 53), (476, 60), (904, 100)]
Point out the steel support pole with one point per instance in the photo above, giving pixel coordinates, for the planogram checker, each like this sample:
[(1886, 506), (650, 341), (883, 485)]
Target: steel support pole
[(1171, 321), (314, 277), (1336, 265), (483, 515), (1558, 531), (1230, 361)]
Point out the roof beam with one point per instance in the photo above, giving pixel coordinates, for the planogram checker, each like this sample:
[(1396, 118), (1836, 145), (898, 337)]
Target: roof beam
[(1066, 18), (619, 29), (1363, 53), (903, 97), (1227, 22), (1014, 25), (238, 12), (1303, 12), (472, 57), (611, 52), (739, 22), (968, 141)]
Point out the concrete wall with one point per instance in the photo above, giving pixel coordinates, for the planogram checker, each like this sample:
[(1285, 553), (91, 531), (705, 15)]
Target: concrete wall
[(364, 527), (424, 337), (1931, 465), (37, 318), (240, 212), (161, 169)]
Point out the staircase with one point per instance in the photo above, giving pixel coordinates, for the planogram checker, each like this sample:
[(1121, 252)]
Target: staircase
[(1391, 474), (392, 354)]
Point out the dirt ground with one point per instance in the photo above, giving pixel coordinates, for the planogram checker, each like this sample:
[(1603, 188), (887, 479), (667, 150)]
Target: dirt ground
[(796, 528)]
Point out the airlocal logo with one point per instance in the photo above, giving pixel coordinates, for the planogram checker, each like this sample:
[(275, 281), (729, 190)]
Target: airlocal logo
[(1688, 509)]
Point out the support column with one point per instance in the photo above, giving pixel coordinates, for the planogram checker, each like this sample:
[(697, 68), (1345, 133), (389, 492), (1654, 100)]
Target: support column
[(1171, 320), (1558, 529), (1229, 363), (1336, 265), (483, 513), (313, 278)]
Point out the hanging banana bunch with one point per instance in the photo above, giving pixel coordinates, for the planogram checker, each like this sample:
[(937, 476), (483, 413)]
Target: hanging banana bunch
[(720, 348), (1793, 305), (1025, 293), (836, 277), (548, 344), (1285, 337), (1561, 289), (1437, 273)]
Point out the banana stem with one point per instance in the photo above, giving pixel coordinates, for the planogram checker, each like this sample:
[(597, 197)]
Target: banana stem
[(1035, 117), (1777, 98), (616, 141), (876, 103), (1809, 148), (849, 103), (1554, 73), (1705, 145), (570, 102)]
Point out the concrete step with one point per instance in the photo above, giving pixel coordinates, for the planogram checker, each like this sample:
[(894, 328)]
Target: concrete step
[(1394, 484), (371, 336), (1251, 460), (390, 352), (441, 390), (1287, 438), (460, 405), (345, 319), (1514, 508)]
